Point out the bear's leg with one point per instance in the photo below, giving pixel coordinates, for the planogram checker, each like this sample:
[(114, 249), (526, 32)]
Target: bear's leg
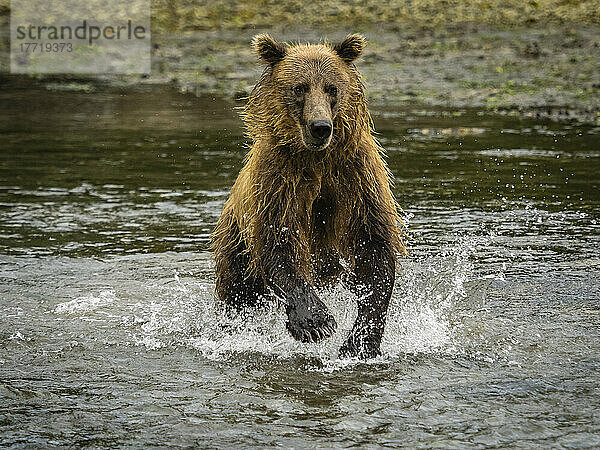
[(309, 320), (242, 290), (236, 286), (328, 267), (374, 274)]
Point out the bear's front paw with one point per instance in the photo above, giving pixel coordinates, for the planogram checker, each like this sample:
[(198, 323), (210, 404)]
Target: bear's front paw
[(309, 320), (360, 346)]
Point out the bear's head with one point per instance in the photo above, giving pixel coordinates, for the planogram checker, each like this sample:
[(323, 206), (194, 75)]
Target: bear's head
[(310, 95)]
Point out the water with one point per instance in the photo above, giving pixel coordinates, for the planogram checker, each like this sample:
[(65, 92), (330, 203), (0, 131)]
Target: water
[(110, 335)]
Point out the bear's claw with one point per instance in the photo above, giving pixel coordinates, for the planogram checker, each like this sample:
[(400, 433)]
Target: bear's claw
[(308, 318)]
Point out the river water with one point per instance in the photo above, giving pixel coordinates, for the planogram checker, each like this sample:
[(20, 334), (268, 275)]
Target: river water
[(110, 335)]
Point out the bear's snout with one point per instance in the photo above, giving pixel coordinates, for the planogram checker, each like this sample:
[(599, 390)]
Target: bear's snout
[(321, 129)]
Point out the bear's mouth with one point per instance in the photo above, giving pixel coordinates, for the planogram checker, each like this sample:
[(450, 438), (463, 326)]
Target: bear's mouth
[(314, 146)]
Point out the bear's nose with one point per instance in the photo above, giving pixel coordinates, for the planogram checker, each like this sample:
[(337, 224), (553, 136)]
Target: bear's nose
[(321, 129)]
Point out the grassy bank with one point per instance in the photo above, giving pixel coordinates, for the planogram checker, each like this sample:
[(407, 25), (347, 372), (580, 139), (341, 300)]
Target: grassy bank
[(180, 15), (532, 57)]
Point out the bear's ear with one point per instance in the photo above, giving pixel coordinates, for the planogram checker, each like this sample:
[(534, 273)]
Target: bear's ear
[(268, 49), (351, 47)]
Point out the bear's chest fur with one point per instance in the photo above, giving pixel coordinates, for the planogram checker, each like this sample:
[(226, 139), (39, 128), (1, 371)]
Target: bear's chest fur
[(327, 210)]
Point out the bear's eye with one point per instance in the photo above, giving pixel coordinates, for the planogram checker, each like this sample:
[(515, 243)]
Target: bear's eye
[(331, 90), (300, 89)]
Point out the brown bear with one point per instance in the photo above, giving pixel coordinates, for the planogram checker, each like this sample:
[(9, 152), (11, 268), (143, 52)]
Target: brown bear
[(314, 192)]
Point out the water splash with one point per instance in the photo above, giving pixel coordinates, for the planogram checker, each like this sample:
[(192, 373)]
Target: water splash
[(181, 311), (86, 303)]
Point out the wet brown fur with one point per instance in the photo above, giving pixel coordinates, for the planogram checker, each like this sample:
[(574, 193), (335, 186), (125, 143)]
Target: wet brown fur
[(321, 205)]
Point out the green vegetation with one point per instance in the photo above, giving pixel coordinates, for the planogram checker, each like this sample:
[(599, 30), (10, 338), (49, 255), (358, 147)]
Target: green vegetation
[(181, 15), (363, 14)]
